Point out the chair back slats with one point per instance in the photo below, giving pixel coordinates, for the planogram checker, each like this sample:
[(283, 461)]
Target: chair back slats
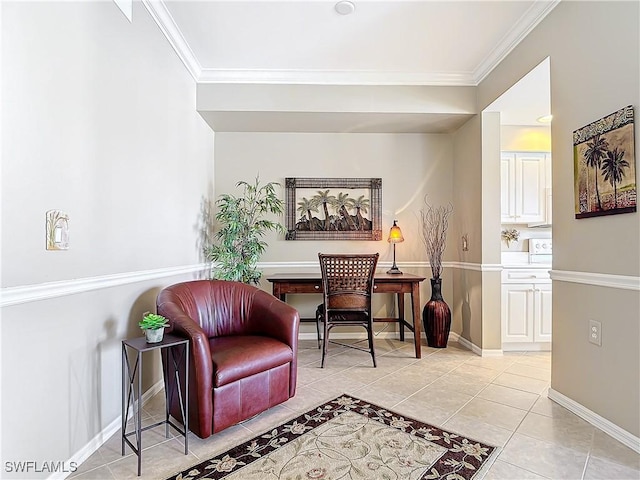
[(347, 284), (347, 280)]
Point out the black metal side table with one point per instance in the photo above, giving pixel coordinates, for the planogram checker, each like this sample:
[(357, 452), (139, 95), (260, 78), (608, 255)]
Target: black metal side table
[(171, 347)]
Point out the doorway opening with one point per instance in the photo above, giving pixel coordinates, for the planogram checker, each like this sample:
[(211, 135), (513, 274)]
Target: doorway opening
[(526, 211)]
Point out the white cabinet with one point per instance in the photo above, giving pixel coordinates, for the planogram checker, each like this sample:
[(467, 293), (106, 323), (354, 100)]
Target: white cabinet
[(526, 309), (525, 182)]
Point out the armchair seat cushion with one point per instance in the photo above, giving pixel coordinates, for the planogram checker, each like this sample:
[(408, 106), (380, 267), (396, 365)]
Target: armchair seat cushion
[(237, 357)]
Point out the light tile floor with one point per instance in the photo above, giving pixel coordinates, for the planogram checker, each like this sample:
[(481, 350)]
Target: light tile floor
[(498, 400)]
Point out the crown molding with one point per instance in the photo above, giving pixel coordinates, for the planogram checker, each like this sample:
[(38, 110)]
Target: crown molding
[(526, 23), (160, 14), (334, 77)]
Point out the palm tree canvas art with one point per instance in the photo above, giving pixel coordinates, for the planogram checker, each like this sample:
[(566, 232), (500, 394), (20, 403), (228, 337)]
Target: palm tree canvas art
[(605, 166), (333, 208)]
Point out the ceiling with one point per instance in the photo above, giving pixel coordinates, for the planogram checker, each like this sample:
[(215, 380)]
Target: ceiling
[(393, 42)]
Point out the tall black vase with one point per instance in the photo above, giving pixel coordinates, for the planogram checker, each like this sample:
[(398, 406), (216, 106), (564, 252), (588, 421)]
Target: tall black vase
[(436, 317)]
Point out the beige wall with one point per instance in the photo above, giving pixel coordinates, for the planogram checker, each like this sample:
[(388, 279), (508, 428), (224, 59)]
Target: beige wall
[(98, 120), (410, 165), (583, 90), (467, 191), (491, 319)]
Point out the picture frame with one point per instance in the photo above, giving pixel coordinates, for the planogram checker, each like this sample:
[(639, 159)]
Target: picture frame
[(333, 208), (605, 166)]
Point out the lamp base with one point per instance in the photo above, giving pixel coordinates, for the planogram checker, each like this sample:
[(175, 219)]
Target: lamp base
[(394, 271)]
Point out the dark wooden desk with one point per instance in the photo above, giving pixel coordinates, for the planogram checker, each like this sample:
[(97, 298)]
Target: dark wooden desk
[(284, 283)]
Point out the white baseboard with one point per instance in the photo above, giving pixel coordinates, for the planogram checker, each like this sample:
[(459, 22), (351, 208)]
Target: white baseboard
[(526, 347), (453, 337), (477, 350), (101, 437), (596, 420)]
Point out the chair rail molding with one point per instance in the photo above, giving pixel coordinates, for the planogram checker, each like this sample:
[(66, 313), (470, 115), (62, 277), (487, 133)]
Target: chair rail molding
[(486, 267), (478, 267), (31, 293), (42, 291), (625, 282)]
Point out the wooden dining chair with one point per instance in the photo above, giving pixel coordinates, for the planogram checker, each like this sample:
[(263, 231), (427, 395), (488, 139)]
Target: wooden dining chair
[(347, 286)]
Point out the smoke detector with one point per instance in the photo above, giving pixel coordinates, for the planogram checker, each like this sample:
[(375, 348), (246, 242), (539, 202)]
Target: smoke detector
[(345, 7)]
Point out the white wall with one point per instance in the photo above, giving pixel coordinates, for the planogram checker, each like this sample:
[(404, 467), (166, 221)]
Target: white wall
[(99, 121)]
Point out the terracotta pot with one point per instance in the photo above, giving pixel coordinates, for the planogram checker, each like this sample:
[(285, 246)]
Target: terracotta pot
[(436, 317)]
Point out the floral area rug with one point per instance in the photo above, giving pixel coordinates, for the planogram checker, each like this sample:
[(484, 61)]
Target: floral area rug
[(350, 439)]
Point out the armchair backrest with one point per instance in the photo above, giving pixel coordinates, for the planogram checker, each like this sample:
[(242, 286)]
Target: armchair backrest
[(219, 307), (347, 280)]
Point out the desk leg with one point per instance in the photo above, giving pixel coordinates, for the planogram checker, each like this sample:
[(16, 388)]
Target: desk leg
[(401, 315), (415, 307), (276, 291)]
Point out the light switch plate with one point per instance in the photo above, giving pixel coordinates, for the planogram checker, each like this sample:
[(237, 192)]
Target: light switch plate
[(57, 230)]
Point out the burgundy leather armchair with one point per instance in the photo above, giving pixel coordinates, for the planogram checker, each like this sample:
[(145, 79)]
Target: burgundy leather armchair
[(243, 351)]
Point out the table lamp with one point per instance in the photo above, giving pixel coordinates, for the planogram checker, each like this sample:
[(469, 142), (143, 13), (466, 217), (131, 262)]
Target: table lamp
[(395, 236)]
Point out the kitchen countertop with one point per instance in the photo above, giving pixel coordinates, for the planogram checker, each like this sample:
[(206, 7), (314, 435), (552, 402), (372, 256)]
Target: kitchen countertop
[(527, 266), (520, 260)]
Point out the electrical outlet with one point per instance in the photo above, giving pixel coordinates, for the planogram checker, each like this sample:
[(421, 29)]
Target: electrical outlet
[(595, 332)]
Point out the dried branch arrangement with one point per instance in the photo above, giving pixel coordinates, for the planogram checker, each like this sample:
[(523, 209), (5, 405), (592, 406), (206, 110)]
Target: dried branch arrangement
[(435, 222)]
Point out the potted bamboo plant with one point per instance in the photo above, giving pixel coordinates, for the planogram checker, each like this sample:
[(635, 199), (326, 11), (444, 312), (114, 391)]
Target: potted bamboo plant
[(242, 221), (153, 326), (436, 315)]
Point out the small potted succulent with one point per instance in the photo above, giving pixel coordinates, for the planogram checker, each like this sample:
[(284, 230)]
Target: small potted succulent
[(153, 326)]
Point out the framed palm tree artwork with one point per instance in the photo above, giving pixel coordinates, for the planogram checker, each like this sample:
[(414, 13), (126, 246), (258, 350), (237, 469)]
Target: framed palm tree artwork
[(333, 208), (605, 166)]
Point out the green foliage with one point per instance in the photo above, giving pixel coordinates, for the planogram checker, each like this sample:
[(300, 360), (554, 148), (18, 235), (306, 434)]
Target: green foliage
[(239, 243), (151, 321)]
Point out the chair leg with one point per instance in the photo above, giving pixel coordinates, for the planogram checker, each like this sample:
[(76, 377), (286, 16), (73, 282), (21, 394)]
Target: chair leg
[(318, 317), (325, 342), (371, 349)]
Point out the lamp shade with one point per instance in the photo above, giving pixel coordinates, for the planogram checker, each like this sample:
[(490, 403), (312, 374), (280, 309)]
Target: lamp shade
[(395, 234)]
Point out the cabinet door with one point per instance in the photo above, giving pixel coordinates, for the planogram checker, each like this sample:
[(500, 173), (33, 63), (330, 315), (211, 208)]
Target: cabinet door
[(542, 322), (530, 187), (517, 313)]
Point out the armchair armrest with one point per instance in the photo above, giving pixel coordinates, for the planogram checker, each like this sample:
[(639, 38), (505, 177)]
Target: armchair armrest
[(201, 368), (273, 318)]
